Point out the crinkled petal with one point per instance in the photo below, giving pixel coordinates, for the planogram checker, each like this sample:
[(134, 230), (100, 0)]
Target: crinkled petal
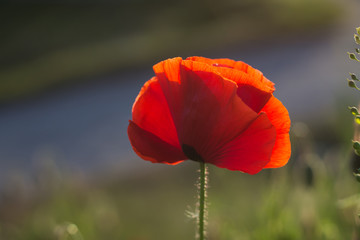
[(222, 62), (253, 97), (251, 150), (150, 147), (151, 112), (205, 107), (279, 117), (253, 88), (256, 77)]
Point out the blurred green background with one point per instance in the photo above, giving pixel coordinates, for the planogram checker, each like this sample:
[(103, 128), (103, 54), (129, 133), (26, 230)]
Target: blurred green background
[(70, 70), (44, 46)]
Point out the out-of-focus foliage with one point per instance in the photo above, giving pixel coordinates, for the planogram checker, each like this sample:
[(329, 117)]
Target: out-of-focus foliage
[(352, 82), (46, 45), (311, 198)]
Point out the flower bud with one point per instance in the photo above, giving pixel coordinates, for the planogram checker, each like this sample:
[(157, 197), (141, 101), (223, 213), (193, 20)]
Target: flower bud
[(357, 50), (357, 38), (356, 145), (352, 56), (351, 83), (354, 111), (358, 30), (353, 76), (357, 120), (357, 176)]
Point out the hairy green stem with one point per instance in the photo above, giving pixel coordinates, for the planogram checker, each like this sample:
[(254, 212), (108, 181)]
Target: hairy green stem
[(202, 196)]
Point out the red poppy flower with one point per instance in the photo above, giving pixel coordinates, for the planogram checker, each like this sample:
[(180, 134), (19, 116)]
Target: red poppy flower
[(218, 111)]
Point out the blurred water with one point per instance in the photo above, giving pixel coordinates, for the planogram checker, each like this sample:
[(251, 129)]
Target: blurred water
[(81, 127), (85, 127)]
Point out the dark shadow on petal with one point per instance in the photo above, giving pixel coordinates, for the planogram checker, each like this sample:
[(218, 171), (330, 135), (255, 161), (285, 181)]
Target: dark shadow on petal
[(150, 147), (191, 153), (253, 97)]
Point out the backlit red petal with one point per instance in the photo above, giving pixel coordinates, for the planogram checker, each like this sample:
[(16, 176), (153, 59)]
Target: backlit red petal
[(151, 112), (255, 77), (205, 107), (253, 88), (170, 69), (251, 150), (150, 147), (222, 62), (279, 117), (281, 152), (251, 77)]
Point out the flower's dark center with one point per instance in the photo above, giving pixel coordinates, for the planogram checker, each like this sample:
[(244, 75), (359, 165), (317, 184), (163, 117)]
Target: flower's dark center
[(191, 153)]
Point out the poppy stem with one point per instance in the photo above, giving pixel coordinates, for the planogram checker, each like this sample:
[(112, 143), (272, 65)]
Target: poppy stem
[(202, 201)]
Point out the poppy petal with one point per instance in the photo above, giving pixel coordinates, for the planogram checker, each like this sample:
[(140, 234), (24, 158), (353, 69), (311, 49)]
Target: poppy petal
[(253, 88), (218, 111), (150, 147), (279, 117), (222, 62), (281, 152), (253, 97), (151, 112), (251, 150), (205, 107), (226, 67)]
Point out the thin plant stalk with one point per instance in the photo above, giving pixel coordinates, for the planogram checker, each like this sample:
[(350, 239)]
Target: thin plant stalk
[(202, 201)]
